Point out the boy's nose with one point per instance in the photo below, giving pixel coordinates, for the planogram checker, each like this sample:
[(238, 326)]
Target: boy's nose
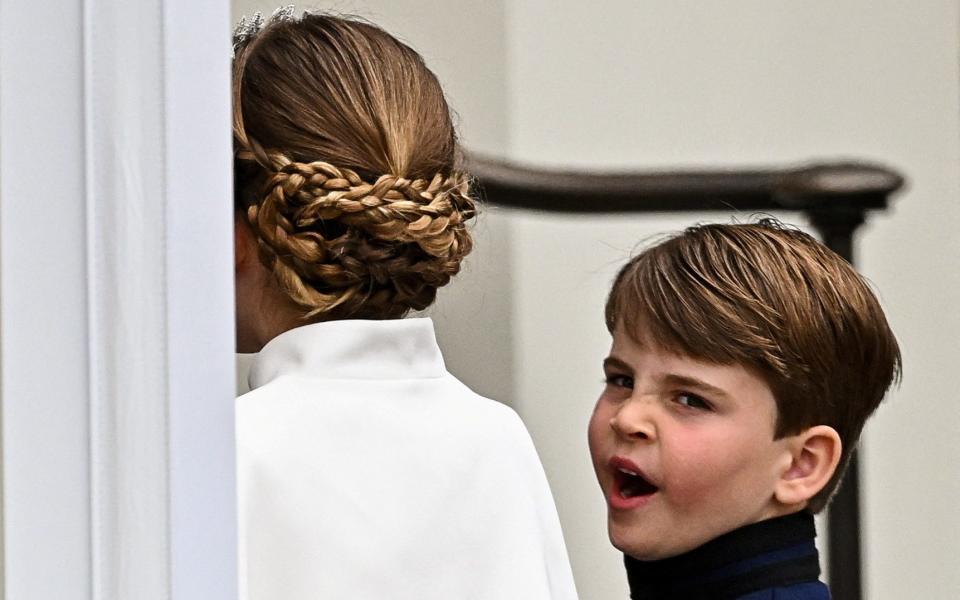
[(633, 421)]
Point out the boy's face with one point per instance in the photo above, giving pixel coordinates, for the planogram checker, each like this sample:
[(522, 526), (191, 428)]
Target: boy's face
[(683, 449)]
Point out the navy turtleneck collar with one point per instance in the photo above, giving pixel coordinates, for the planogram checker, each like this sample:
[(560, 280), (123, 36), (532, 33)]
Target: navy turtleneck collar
[(774, 553)]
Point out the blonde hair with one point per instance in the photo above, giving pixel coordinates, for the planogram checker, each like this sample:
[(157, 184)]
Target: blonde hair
[(773, 299), (346, 166)]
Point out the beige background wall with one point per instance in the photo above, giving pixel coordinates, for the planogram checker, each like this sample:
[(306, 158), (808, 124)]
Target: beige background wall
[(678, 83)]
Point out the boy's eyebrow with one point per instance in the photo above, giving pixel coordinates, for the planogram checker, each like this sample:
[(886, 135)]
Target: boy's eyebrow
[(612, 362), (676, 379), (693, 382)]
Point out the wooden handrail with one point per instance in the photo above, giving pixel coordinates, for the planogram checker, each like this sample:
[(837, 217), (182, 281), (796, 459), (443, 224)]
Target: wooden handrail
[(820, 185)]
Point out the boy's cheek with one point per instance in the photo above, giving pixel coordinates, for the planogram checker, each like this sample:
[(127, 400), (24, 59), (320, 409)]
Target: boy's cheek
[(690, 474), (600, 439), (599, 424), (688, 492), (595, 436)]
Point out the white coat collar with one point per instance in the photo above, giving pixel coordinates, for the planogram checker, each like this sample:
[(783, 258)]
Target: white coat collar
[(351, 349)]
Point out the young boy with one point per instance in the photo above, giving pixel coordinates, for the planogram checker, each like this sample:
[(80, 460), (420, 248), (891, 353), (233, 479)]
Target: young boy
[(745, 361)]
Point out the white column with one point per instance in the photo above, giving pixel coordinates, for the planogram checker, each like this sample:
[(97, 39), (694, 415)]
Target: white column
[(116, 300), (43, 303), (200, 327)]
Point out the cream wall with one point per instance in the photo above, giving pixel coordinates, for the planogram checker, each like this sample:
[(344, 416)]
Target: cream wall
[(668, 83)]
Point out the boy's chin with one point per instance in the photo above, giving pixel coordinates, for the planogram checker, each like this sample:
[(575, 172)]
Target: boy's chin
[(643, 553), (641, 549), (654, 545)]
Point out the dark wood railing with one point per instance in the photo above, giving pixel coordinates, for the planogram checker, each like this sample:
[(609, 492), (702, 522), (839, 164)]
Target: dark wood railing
[(835, 196)]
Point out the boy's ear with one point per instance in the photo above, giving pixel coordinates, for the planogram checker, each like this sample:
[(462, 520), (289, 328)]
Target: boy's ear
[(815, 454)]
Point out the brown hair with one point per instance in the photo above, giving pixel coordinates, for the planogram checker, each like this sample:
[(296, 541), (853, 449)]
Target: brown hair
[(346, 166), (775, 300)]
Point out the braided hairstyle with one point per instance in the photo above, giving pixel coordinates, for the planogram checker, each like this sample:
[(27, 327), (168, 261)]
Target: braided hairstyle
[(346, 167)]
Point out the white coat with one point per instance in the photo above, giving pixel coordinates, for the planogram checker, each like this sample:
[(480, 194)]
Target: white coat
[(367, 471)]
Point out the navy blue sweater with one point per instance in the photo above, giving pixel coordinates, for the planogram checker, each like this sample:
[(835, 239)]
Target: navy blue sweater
[(770, 560)]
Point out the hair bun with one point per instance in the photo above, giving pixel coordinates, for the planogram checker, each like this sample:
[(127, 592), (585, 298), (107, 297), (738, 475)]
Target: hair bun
[(393, 208), (328, 234), (379, 224)]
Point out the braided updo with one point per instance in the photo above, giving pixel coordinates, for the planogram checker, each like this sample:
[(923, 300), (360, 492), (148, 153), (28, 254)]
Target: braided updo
[(346, 167)]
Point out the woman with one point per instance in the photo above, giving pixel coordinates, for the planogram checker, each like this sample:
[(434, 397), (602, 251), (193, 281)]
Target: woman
[(365, 469)]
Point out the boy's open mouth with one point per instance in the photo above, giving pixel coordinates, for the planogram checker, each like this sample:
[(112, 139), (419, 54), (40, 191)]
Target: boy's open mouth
[(632, 484)]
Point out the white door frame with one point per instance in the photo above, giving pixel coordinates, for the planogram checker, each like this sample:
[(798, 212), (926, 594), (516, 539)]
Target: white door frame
[(116, 320)]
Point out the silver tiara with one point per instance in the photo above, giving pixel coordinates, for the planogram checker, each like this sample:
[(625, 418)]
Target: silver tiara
[(246, 29)]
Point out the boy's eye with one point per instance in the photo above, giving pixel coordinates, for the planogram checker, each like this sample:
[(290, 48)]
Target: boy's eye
[(619, 381), (693, 401)]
